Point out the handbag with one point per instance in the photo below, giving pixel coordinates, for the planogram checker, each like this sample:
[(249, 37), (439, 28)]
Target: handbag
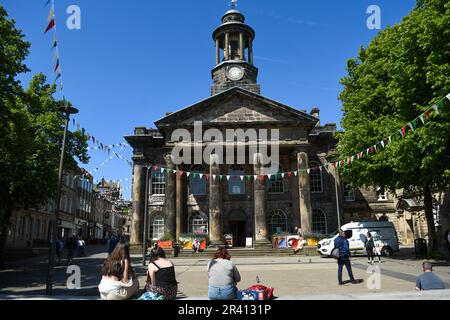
[(335, 251)]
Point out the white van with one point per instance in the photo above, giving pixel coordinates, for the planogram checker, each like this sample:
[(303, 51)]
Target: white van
[(383, 233)]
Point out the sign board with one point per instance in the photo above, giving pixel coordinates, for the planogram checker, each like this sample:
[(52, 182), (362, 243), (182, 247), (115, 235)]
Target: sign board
[(249, 242)]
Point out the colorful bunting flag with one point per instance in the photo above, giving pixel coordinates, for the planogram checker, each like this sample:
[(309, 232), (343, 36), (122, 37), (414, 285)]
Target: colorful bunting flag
[(51, 24)]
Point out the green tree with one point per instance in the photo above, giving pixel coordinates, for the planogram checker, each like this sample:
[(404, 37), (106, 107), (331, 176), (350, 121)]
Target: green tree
[(403, 71), (31, 130)]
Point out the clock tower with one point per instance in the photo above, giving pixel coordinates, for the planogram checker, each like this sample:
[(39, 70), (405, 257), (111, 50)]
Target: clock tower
[(234, 55)]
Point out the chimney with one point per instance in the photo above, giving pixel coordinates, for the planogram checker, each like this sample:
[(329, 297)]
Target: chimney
[(315, 113)]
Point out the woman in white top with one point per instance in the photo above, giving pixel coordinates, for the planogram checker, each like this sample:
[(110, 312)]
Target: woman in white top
[(119, 280)]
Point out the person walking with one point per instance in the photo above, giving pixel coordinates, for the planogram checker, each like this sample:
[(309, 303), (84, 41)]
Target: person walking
[(222, 276), (71, 246), (428, 280), (370, 247), (341, 243)]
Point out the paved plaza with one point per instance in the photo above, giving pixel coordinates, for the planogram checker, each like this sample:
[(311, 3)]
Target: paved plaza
[(292, 277)]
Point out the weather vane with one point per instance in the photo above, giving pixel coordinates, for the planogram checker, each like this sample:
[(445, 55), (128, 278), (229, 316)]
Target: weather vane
[(233, 4)]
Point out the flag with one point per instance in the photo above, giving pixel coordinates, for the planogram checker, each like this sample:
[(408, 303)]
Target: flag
[(295, 173), (55, 42), (421, 119), (289, 174), (402, 131), (46, 4), (51, 24), (410, 125), (57, 65), (436, 108), (57, 77), (448, 96), (51, 14), (382, 143)]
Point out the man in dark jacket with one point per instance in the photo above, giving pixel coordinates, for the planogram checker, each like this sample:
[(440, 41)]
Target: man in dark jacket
[(342, 244)]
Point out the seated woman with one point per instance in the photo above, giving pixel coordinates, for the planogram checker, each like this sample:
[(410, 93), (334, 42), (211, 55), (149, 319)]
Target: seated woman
[(222, 277), (161, 279), (119, 280)]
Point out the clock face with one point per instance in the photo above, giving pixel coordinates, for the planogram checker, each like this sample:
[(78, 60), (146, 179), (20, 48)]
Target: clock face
[(235, 73)]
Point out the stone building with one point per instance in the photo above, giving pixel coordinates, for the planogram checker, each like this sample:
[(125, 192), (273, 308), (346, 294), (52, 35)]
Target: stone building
[(216, 197), (194, 196)]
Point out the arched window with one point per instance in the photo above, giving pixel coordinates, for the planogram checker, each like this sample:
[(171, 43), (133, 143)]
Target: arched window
[(158, 182), (276, 182), (236, 185), (319, 221), (157, 227), (197, 184), (198, 223), (277, 222), (315, 177)]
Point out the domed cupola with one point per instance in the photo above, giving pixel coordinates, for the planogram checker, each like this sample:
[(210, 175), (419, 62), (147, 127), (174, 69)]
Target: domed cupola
[(234, 54)]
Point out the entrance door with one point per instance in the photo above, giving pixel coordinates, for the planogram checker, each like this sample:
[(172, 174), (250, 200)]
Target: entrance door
[(237, 229)]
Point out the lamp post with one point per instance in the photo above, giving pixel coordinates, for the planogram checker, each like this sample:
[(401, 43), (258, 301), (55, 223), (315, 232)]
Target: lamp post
[(337, 198), (68, 110), (145, 236)]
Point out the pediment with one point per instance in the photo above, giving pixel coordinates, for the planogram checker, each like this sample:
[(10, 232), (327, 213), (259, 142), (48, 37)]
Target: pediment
[(237, 105)]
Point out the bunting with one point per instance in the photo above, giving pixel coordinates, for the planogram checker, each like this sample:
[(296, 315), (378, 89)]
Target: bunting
[(411, 126)]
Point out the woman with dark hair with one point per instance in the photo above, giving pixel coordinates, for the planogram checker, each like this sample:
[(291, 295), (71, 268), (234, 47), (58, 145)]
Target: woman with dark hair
[(119, 280), (222, 276), (370, 247), (161, 280)]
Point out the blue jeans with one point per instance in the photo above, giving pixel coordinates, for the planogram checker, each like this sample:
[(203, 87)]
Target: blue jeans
[(341, 262), (222, 293)]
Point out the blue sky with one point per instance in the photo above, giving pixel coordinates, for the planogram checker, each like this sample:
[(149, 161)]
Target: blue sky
[(134, 60)]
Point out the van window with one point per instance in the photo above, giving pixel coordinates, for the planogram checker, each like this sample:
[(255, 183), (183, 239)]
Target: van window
[(348, 233)]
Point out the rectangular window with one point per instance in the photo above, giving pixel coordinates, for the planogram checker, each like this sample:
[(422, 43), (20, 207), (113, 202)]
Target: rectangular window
[(349, 193)]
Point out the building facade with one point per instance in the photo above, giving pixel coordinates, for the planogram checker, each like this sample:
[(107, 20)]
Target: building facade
[(237, 196), (209, 195)]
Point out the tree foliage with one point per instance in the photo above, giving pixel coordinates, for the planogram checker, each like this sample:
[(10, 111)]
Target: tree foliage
[(31, 130), (403, 71)]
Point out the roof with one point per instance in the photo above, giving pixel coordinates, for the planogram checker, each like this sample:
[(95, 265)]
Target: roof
[(292, 115)]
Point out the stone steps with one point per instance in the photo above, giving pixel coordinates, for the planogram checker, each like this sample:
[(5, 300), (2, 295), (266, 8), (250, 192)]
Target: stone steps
[(243, 252)]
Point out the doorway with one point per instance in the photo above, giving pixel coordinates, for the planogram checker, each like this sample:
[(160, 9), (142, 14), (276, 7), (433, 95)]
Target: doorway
[(237, 229)]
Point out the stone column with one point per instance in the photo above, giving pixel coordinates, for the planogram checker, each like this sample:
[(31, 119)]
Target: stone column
[(295, 194), (241, 46), (227, 46), (217, 51), (215, 204), (179, 204), (169, 199), (250, 50), (137, 222), (304, 193), (260, 216)]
